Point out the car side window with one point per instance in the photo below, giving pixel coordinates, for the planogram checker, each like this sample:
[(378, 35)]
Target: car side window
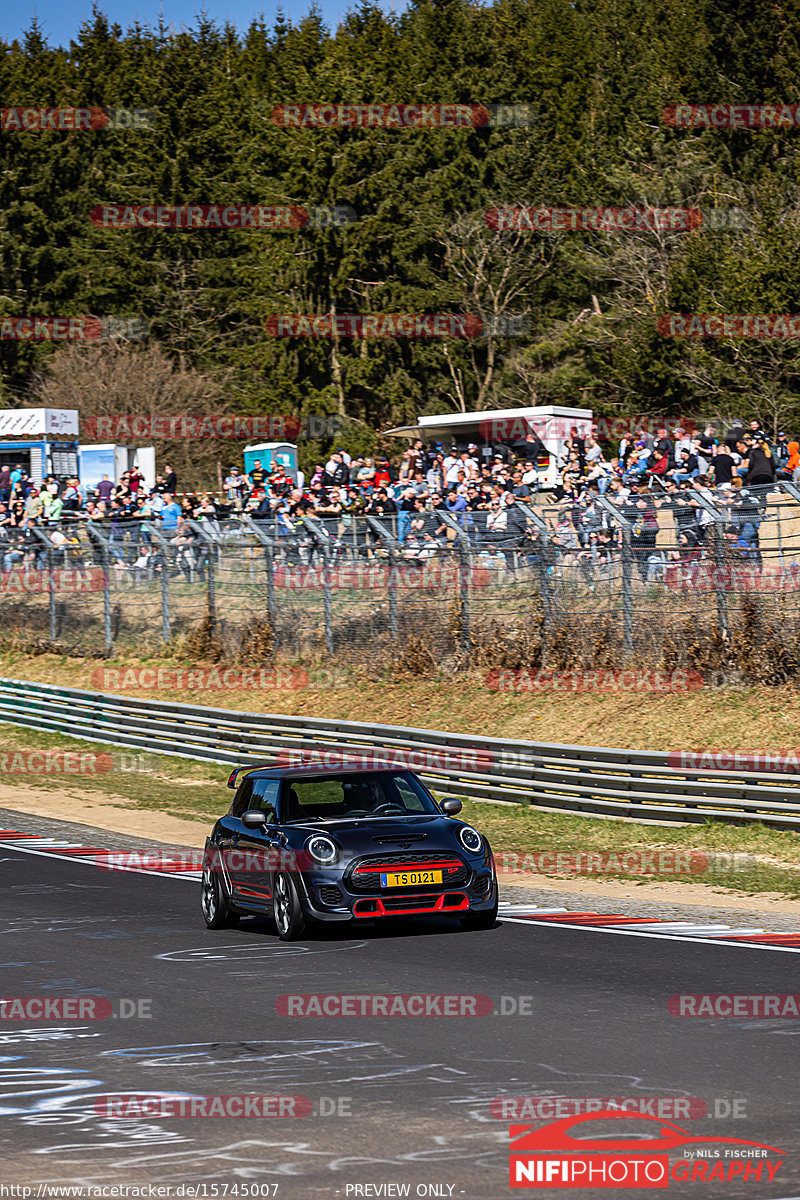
[(241, 801), (265, 797), (409, 797)]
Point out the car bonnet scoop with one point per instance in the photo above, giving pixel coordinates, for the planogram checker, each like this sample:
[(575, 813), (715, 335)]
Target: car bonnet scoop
[(397, 838)]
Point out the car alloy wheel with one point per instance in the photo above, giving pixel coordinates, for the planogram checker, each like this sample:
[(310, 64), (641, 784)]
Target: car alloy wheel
[(216, 913), (289, 919)]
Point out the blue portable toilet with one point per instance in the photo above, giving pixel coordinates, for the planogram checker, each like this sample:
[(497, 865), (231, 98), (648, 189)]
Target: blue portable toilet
[(284, 453)]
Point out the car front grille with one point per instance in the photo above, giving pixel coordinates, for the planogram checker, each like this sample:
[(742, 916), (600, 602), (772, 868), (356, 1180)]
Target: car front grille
[(481, 885), (330, 895), (364, 875)]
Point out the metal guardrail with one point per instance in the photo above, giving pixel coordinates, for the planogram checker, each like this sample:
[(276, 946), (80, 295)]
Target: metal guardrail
[(583, 779)]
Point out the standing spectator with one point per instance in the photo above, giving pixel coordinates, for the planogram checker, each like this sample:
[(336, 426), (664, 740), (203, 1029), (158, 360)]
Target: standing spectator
[(170, 514), (760, 464), (792, 464), (170, 480), (72, 499), (663, 447), (708, 438), (5, 484), (258, 475), (337, 473), (405, 509), (235, 487), (734, 435), (365, 475), (782, 452), (435, 473), (16, 476), (723, 466)]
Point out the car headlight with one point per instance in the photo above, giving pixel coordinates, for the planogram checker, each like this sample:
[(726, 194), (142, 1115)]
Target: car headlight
[(321, 849), (470, 839)]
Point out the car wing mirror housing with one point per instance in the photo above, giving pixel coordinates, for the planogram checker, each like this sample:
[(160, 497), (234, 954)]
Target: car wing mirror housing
[(451, 808), (254, 819)]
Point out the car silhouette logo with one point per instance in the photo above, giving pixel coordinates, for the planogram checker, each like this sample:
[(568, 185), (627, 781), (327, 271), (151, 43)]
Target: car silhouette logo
[(556, 1136)]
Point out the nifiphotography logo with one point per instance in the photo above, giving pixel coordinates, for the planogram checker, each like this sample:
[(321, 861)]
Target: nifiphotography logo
[(553, 1157)]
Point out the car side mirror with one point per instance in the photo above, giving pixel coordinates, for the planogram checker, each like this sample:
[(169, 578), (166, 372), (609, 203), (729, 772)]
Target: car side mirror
[(451, 808), (254, 818)]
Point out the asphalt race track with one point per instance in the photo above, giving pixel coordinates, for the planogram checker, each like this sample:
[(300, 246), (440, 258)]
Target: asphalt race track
[(395, 1100)]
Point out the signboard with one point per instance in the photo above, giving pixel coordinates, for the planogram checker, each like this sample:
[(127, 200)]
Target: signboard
[(39, 422)]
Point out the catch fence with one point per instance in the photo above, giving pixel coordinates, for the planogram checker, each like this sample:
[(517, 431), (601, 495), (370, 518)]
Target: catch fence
[(701, 580)]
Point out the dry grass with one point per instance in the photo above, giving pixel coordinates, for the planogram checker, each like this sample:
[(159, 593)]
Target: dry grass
[(718, 718)]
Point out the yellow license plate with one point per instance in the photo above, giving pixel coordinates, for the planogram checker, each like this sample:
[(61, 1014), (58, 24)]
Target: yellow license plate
[(409, 878)]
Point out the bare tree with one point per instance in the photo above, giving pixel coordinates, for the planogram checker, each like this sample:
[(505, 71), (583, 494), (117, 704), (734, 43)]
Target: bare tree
[(119, 379), (496, 272)]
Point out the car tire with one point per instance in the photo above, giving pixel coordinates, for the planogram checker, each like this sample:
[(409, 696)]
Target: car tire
[(216, 912), (482, 920), (290, 920)]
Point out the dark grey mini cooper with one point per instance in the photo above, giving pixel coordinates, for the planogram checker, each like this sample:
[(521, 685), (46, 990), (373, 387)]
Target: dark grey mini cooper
[(305, 845)]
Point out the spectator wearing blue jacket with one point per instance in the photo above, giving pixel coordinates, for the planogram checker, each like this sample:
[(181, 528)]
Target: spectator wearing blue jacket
[(170, 515)]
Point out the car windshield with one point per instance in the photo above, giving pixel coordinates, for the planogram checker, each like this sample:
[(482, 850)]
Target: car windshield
[(340, 796)]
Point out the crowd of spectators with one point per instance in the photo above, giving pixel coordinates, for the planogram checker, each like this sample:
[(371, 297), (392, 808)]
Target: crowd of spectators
[(424, 500), (691, 474)]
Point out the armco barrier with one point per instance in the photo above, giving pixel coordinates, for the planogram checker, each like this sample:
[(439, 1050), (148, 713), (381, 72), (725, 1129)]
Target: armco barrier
[(584, 779)]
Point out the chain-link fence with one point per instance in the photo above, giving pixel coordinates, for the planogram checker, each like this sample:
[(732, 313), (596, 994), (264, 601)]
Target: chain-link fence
[(692, 578)]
